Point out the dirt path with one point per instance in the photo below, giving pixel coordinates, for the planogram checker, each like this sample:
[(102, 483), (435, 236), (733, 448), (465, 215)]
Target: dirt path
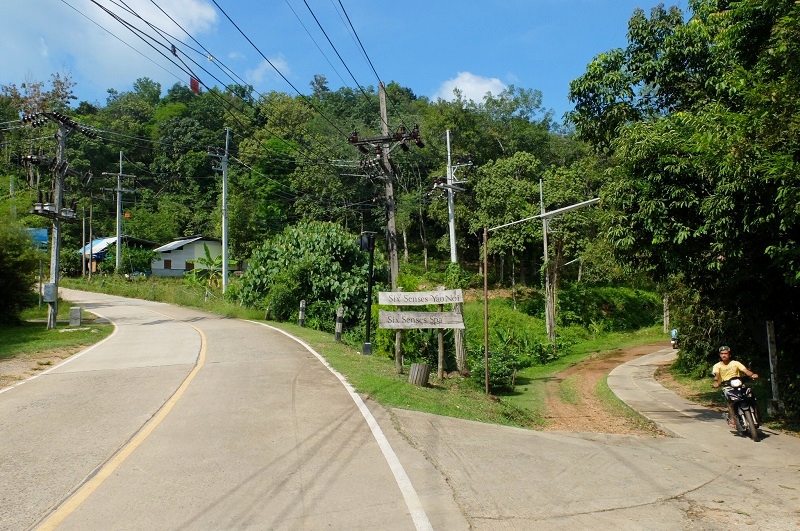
[(571, 397)]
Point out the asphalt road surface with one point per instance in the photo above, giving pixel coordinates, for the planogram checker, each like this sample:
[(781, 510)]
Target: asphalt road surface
[(187, 420)]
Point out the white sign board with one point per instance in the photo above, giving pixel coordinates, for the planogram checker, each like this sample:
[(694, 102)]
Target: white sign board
[(409, 320), (419, 298)]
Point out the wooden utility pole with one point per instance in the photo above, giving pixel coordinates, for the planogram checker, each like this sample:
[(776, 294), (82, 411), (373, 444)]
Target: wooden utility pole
[(391, 226)]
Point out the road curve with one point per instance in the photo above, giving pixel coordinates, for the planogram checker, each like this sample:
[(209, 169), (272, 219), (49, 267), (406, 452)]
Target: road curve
[(254, 432), (186, 420)]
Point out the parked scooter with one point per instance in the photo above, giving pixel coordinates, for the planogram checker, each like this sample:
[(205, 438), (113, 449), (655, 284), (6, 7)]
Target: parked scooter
[(744, 405)]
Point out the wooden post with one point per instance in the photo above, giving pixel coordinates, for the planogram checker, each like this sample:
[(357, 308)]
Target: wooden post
[(486, 306), (440, 369), (301, 320), (398, 345), (419, 374), (339, 315), (775, 405)]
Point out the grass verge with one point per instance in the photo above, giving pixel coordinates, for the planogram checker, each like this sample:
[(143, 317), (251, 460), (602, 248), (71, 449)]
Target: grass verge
[(618, 408), (375, 375)]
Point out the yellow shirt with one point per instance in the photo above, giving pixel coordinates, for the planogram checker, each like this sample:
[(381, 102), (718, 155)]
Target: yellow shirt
[(731, 370)]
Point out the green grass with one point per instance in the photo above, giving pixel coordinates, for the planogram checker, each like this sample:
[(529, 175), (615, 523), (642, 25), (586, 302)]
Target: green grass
[(619, 408), (568, 391), (32, 336), (375, 375), (531, 381)]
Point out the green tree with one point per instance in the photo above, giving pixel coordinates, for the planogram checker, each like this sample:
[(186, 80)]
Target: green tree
[(704, 189), (18, 265), (313, 261)]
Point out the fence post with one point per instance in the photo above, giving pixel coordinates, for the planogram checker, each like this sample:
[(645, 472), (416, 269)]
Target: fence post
[(339, 316), (302, 318)]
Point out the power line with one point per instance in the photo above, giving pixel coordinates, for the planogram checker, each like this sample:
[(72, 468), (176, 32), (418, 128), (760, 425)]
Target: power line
[(359, 41)]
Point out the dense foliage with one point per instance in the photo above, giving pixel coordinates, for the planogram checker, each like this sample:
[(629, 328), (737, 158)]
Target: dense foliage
[(318, 262), (700, 117), (689, 135), (19, 262)]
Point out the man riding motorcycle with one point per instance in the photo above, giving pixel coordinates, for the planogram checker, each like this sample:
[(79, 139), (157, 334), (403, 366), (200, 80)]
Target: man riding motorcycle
[(723, 371)]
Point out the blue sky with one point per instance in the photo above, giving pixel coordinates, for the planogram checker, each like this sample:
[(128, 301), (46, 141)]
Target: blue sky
[(429, 47)]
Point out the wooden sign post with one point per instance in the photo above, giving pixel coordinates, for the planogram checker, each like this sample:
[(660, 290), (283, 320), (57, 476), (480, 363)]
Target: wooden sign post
[(410, 320)]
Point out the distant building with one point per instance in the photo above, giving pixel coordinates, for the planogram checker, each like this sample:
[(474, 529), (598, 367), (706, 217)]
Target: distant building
[(94, 253), (175, 258)]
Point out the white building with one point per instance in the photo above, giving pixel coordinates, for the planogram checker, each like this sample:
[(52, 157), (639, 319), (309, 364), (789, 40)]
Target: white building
[(175, 258)]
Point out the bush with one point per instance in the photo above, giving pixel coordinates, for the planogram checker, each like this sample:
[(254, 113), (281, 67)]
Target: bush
[(611, 309), (503, 367), (19, 262), (317, 262)]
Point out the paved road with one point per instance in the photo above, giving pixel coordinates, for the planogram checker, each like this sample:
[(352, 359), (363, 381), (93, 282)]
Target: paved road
[(186, 420)]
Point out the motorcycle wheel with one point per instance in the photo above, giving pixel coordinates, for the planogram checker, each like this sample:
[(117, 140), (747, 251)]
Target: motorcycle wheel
[(751, 425)]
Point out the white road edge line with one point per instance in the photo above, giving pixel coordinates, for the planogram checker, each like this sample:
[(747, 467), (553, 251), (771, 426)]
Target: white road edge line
[(410, 496), (73, 357)]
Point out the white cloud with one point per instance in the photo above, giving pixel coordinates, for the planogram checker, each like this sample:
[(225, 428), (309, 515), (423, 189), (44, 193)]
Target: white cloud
[(258, 75), (471, 86), (79, 38)]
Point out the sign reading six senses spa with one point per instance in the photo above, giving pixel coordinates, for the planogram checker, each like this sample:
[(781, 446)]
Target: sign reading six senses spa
[(407, 320)]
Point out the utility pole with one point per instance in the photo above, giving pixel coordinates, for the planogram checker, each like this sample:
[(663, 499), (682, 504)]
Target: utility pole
[(119, 191), (452, 187), (54, 210), (383, 147), (550, 299), (451, 207), (391, 205), (55, 248), (550, 302), (225, 211), (224, 167)]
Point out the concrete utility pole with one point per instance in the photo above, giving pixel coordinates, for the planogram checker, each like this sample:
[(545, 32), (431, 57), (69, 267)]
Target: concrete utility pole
[(550, 303), (225, 211), (54, 210), (224, 167), (452, 188), (383, 147), (119, 191), (391, 205), (451, 208)]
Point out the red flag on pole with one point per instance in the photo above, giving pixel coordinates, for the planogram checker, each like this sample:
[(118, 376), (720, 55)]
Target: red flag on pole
[(194, 84)]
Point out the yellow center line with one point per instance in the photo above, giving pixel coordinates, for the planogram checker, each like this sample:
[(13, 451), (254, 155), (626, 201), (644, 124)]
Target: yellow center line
[(75, 501)]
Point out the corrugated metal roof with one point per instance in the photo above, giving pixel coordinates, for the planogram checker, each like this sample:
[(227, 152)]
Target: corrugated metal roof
[(177, 244), (97, 246)]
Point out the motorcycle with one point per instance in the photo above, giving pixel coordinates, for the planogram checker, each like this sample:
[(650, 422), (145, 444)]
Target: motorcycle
[(747, 418)]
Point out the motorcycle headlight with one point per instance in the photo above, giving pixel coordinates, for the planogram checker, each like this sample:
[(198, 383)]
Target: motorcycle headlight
[(736, 382)]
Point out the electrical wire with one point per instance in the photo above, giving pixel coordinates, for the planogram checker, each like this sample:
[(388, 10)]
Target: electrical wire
[(184, 67), (303, 96)]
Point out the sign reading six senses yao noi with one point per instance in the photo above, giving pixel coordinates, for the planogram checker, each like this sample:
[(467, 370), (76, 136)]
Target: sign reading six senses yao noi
[(406, 320)]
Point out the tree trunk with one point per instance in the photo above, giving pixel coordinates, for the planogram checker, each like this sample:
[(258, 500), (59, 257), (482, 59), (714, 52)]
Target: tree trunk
[(419, 374)]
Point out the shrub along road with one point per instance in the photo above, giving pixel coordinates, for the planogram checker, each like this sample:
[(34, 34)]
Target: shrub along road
[(187, 420)]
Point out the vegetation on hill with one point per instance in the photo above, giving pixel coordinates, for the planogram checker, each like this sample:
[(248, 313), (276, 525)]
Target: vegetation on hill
[(688, 135)]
